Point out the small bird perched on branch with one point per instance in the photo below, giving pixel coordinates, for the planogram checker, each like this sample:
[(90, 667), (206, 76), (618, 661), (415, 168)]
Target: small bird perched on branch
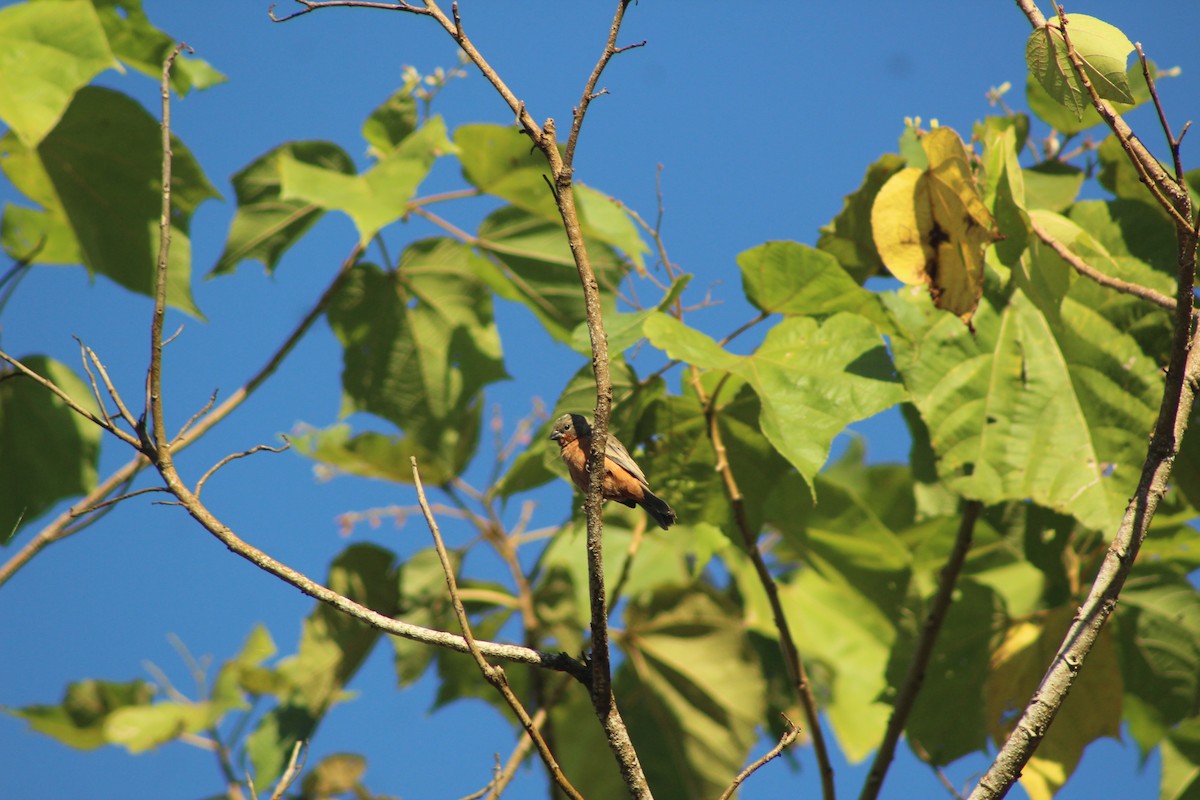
[(623, 479)]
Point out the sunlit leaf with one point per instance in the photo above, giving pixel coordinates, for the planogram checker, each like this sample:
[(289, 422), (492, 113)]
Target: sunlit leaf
[(106, 146), (813, 378), (48, 51), (931, 226), (1102, 49), (266, 224), (378, 196), (138, 44), (793, 278)]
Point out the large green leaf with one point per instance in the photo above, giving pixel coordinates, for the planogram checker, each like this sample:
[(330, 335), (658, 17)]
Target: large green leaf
[(50, 452), (137, 43), (48, 51), (420, 343), (1045, 403), (812, 378), (1103, 50), (266, 224), (528, 261), (1063, 119), (692, 689), (377, 455), (793, 278), (104, 160), (1158, 636), (332, 648), (378, 196)]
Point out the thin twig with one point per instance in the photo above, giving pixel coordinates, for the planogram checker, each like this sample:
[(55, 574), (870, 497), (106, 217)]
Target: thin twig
[(914, 678), (232, 456), (294, 767), (1172, 142), (494, 675), (785, 741), (589, 89)]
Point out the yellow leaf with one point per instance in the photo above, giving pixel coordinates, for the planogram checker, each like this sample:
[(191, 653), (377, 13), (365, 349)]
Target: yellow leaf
[(1092, 710), (901, 219), (931, 226)]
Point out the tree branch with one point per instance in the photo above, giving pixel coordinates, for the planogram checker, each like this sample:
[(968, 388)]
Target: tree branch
[(494, 675), (1083, 268), (914, 678)]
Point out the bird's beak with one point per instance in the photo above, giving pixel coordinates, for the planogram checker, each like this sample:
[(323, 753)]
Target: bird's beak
[(556, 435)]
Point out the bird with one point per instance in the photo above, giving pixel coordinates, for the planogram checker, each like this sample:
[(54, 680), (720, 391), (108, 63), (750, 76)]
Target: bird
[(623, 479)]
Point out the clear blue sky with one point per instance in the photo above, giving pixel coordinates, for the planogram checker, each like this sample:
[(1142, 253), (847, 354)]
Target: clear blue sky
[(763, 116)]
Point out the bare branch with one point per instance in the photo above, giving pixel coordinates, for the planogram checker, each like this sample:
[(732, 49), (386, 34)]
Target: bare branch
[(313, 5), (154, 409), (493, 675), (589, 89)]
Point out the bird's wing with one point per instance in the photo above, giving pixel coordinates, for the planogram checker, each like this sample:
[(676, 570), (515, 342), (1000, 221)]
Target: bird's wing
[(616, 451)]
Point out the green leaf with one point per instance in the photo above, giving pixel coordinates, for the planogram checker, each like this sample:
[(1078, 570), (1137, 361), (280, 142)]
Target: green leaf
[(266, 224), (245, 673), (423, 601), (502, 161), (848, 236), (142, 728), (793, 278), (1181, 763), (48, 51), (375, 455), (333, 646), (694, 691), (107, 146), (1158, 637), (420, 344), (1103, 50), (953, 676), (527, 261), (1004, 190), (848, 639), (1030, 406), (138, 44), (377, 197), (1052, 185), (392, 122), (1063, 119), (79, 721), (813, 378), (50, 452)]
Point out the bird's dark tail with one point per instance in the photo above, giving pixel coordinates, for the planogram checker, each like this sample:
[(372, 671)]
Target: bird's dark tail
[(657, 508)]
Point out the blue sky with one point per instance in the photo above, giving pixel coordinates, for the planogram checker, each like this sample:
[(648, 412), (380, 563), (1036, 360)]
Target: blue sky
[(762, 115)]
